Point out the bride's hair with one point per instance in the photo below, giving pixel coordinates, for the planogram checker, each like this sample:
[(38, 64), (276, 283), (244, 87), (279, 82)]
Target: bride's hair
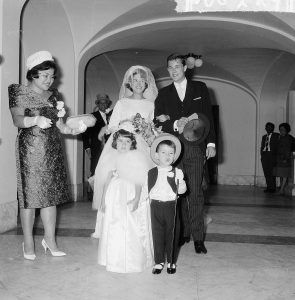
[(150, 92), (126, 134), (142, 75)]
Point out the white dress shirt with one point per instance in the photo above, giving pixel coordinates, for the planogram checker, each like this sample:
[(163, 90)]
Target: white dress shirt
[(267, 139), (104, 117), (181, 88), (162, 190)]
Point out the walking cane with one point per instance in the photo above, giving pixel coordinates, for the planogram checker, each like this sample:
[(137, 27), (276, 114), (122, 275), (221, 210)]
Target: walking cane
[(174, 224)]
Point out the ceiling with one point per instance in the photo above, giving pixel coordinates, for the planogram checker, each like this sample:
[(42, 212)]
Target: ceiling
[(155, 25)]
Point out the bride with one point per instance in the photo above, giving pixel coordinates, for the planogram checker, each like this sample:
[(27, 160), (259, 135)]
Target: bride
[(136, 104)]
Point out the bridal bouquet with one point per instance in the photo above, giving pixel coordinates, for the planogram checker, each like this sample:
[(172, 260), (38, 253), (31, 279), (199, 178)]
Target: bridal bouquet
[(146, 129)]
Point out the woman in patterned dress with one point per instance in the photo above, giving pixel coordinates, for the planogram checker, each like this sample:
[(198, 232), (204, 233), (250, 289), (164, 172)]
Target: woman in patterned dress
[(286, 145), (37, 111)]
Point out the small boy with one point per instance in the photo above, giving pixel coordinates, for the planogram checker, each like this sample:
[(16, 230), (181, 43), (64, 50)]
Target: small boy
[(164, 184)]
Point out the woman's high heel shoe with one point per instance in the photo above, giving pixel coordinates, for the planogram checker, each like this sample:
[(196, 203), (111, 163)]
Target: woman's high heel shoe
[(28, 256), (53, 253)]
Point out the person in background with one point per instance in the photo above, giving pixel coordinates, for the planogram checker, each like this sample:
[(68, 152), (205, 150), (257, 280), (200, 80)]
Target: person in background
[(268, 151), (286, 145), (37, 111), (92, 144)]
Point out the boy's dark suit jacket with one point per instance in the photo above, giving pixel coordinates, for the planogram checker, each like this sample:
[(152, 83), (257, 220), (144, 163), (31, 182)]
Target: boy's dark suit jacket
[(90, 139), (196, 101)]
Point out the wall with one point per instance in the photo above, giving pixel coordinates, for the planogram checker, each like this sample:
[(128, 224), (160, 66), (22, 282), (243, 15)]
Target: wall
[(237, 135), (9, 73), (46, 27)]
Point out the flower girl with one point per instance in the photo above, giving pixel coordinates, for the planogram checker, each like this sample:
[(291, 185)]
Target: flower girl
[(125, 244)]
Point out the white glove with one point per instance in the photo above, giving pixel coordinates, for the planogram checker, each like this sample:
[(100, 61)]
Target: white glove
[(163, 118), (40, 121), (178, 174), (43, 122), (102, 132), (181, 183)]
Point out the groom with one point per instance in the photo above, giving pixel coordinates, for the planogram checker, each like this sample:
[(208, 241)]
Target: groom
[(178, 101)]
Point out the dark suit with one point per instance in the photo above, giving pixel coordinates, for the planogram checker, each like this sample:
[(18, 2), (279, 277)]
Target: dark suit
[(193, 156), (90, 139), (268, 160)]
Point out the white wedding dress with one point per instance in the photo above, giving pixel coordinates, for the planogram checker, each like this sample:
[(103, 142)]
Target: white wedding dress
[(125, 239)]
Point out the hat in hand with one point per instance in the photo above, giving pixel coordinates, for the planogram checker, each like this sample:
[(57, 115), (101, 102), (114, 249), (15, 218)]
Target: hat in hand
[(164, 137), (103, 97), (196, 130)]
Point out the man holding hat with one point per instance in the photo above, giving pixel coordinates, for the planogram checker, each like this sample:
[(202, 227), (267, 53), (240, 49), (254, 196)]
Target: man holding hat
[(92, 144), (183, 108)]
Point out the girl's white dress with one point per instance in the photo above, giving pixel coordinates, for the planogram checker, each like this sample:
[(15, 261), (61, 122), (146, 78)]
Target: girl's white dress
[(125, 243), (125, 240)]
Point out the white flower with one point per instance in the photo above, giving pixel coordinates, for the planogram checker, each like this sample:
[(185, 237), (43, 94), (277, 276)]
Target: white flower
[(61, 113), (60, 105), (170, 174), (107, 110)]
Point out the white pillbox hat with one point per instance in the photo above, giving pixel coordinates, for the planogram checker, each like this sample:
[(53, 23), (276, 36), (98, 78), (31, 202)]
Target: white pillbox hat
[(37, 58)]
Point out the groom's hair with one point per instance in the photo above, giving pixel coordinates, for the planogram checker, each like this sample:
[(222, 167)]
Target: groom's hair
[(124, 133), (175, 56)]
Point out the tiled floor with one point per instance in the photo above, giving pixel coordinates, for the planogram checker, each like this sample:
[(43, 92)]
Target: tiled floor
[(251, 255)]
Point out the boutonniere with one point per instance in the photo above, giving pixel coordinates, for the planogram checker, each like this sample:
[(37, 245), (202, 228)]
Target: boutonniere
[(170, 174), (60, 107), (107, 111)]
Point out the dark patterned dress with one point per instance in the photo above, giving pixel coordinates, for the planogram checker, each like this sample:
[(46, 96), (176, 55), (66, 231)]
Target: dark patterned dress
[(41, 174), (286, 146)]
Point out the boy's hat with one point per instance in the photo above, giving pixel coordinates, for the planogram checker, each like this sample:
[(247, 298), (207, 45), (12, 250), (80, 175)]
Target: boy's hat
[(196, 130), (164, 137)]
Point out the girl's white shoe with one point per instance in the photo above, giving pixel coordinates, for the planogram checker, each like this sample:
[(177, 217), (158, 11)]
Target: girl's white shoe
[(53, 253)]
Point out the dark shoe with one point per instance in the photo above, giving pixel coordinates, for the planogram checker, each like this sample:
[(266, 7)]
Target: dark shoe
[(269, 191), (90, 196), (200, 247), (171, 268), (158, 268), (183, 240)]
